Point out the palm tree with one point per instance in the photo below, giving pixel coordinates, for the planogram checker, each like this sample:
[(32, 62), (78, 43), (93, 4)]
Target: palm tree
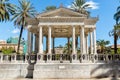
[(49, 8), (115, 32), (25, 10), (117, 15), (6, 9), (102, 44), (66, 48), (80, 6)]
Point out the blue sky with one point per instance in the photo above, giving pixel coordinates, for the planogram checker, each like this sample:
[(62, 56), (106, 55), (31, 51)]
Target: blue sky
[(105, 11)]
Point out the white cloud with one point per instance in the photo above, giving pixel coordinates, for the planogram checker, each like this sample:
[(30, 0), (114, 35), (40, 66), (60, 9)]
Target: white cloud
[(16, 31), (69, 6), (92, 5)]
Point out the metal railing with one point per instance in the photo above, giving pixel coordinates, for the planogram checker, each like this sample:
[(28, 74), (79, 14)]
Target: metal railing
[(60, 58)]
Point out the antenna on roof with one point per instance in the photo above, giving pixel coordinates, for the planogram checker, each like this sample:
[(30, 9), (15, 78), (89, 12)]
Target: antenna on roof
[(61, 5)]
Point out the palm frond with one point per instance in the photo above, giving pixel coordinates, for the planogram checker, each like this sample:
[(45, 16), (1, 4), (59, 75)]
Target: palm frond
[(24, 10), (6, 9)]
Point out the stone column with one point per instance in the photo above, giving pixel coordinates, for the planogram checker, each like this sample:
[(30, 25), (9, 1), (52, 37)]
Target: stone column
[(1, 58), (40, 43), (86, 44), (81, 48), (73, 40), (83, 40), (49, 44), (95, 51), (74, 54), (29, 43), (68, 45), (37, 43), (28, 39), (91, 43), (46, 44), (31, 47), (49, 40), (53, 45), (35, 48)]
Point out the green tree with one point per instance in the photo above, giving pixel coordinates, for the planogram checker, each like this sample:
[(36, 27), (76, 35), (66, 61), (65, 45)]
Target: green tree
[(7, 51), (6, 9), (102, 44), (80, 6), (116, 34), (66, 48), (116, 31), (116, 28), (25, 10), (49, 8), (117, 15)]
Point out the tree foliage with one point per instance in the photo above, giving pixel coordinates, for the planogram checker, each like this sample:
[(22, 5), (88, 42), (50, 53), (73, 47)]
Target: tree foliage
[(49, 8), (117, 15), (80, 6), (102, 44), (7, 51), (6, 9), (65, 50), (23, 11), (116, 31)]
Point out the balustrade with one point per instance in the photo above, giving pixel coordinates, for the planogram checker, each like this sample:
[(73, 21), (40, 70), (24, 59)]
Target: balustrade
[(94, 58)]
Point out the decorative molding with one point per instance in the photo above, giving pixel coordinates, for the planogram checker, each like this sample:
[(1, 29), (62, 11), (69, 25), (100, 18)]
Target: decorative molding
[(62, 23)]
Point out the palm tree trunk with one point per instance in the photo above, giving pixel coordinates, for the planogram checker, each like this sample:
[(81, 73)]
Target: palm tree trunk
[(21, 31), (115, 43)]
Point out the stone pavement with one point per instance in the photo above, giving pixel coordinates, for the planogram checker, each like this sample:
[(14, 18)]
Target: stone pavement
[(67, 79)]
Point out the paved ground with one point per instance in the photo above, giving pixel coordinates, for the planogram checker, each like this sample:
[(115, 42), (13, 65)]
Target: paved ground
[(65, 79)]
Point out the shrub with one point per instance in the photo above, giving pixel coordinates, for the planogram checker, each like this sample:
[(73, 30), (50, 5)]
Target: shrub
[(7, 51)]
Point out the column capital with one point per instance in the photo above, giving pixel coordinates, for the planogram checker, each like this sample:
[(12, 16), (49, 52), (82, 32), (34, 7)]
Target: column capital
[(86, 34), (48, 25), (28, 27), (91, 30), (73, 25), (39, 25)]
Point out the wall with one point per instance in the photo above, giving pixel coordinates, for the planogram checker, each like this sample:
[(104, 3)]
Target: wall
[(76, 70), (12, 71), (59, 70)]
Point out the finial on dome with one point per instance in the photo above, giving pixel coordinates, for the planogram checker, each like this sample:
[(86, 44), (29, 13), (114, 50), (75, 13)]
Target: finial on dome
[(61, 5)]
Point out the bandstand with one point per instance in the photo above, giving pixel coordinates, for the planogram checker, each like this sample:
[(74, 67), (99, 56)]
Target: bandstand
[(62, 23)]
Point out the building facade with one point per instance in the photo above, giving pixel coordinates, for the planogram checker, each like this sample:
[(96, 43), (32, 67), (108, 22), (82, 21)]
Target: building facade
[(10, 43)]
